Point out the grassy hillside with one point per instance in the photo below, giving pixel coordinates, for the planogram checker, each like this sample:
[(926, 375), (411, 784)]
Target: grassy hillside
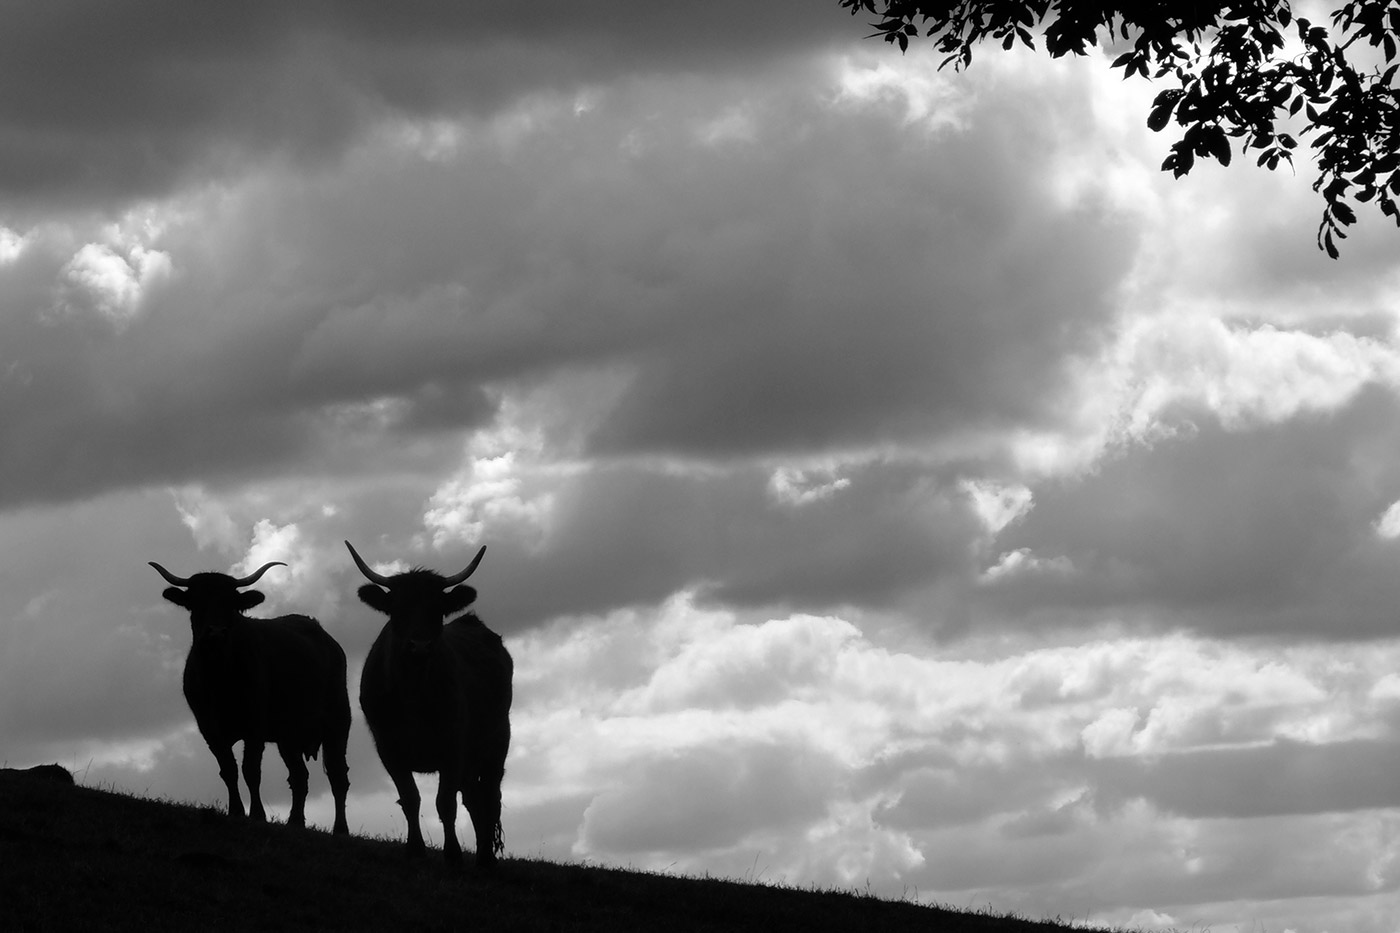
[(77, 858)]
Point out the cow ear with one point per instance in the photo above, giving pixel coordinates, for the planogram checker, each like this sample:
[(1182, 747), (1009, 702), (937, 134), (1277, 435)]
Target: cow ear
[(458, 598), (177, 596), (374, 597), (247, 599)]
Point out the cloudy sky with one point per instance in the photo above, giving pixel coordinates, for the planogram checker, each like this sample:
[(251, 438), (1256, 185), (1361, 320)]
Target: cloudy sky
[(888, 475)]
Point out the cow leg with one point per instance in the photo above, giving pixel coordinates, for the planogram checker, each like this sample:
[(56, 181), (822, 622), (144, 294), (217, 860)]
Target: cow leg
[(483, 798), (338, 773), (296, 780), (333, 758), (449, 783), (409, 801), (228, 771), (252, 776)]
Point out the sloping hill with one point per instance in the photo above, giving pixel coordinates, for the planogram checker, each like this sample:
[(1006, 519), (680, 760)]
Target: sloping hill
[(76, 858)]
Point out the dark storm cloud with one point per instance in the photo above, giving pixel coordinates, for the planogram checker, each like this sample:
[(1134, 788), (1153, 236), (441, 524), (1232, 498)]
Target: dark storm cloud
[(765, 295), (203, 381), (869, 311), (96, 412), (630, 536), (1269, 529), (106, 102)]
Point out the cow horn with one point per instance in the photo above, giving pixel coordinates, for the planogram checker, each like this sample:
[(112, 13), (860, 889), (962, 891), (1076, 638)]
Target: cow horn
[(169, 577), (453, 581), (253, 577), (364, 568)]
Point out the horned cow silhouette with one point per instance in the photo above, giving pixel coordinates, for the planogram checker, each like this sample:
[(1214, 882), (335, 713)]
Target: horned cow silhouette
[(276, 680), (437, 698)]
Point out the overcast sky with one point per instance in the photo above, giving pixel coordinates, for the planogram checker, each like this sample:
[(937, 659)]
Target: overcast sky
[(888, 475)]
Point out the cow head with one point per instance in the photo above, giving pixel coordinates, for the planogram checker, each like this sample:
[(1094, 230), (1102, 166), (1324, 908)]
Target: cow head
[(417, 601), (214, 600)]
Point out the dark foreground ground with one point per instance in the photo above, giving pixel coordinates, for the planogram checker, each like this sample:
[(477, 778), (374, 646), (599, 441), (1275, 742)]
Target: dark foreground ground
[(74, 858)]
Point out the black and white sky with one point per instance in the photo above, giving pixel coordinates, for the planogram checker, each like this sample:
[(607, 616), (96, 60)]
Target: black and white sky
[(887, 474)]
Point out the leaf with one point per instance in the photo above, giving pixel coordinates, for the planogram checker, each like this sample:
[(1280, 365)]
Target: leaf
[(1343, 213), (1162, 106), (1219, 145), (1180, 161)]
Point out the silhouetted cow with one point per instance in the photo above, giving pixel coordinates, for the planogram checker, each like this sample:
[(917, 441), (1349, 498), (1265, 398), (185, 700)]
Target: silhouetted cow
[(437, 697), (263, 680)]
